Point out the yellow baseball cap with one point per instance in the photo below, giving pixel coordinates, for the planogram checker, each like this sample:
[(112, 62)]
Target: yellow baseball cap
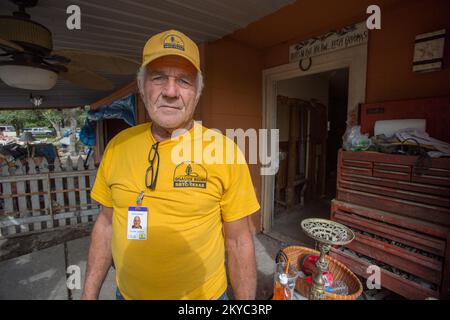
[(171, 42)]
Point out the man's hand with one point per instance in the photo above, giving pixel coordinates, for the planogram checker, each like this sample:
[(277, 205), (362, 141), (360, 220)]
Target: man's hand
[(100, 256), (241, 258)]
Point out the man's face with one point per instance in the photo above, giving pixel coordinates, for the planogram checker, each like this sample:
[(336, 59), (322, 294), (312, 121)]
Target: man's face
[(170, 89)]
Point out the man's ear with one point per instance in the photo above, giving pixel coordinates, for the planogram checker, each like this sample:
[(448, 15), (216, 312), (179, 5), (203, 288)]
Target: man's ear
[(141, 94), (197, 100)]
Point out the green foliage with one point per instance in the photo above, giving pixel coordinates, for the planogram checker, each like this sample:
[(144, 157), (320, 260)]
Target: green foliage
[(21, 119)]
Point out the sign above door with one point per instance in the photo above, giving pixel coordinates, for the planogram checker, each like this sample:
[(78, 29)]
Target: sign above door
[(332, 41)]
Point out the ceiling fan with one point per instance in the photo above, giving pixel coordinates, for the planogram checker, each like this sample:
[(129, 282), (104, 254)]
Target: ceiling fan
[(28, 61)]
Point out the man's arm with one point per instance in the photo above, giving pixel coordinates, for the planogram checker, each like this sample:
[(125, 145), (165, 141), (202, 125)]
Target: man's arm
[(241, 258), (100, 255)]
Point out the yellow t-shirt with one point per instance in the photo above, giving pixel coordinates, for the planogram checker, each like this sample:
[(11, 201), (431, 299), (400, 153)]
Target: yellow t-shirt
[(183, 256)]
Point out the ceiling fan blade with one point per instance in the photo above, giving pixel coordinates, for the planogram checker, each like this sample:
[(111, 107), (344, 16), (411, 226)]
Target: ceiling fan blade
[(10, 45), (99, 61), (86, 78), (56, 59)]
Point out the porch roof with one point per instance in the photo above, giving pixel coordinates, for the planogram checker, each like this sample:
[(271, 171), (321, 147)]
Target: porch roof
[(122, 27)]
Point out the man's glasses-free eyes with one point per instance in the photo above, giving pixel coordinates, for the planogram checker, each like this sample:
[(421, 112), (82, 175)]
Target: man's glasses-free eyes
[(163, 79)]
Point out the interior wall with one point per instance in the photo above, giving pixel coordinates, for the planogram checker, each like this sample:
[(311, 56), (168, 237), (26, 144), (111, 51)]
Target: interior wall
[(308, 87), (305, 88)]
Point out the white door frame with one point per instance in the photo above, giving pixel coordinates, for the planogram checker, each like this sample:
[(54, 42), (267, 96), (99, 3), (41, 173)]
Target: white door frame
[(354, 58)]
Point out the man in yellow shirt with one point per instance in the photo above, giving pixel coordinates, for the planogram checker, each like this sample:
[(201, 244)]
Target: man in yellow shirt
[(190, 210)]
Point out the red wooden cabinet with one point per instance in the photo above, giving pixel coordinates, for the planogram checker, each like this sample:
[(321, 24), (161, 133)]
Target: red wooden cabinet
[(400, 213)]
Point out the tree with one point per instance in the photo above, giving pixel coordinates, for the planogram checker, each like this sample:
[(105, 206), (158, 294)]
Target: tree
[(73, 127), (56, 119), (21, 119), (60, 118)]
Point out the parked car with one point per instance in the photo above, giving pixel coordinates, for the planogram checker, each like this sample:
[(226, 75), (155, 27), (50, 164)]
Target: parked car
[(8, 131), (38, 131)]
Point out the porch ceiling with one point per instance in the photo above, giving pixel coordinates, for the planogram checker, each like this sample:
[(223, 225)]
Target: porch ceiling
[(122, 27)]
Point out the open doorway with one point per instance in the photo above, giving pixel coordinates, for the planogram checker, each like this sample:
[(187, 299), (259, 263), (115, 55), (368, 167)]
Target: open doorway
[(311, 117), (353, 60)]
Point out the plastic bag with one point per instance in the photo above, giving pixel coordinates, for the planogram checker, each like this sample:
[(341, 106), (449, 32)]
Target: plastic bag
[(353, 140)]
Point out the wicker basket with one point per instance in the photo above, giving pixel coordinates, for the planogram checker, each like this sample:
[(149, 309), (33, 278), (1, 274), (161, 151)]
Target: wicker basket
[(339, 271)]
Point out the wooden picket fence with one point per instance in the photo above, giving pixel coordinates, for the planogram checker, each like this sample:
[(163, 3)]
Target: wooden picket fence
[(37, 196)]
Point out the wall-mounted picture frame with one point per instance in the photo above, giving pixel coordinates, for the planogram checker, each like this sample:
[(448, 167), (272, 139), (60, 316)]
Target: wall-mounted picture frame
[(429, 51)]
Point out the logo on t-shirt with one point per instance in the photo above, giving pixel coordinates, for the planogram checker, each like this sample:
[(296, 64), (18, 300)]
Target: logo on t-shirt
[(189, 175)]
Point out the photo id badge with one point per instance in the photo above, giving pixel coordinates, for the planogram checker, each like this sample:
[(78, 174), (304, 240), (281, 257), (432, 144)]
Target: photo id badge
[(137, 223)]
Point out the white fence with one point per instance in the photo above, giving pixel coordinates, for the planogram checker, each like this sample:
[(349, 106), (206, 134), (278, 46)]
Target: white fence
[(40, 196)]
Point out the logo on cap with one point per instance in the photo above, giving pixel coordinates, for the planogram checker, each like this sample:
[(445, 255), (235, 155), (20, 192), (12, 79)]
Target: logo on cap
[(173, 42)]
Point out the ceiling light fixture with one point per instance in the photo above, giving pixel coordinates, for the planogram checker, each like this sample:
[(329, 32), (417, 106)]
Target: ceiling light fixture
[(28, 77)]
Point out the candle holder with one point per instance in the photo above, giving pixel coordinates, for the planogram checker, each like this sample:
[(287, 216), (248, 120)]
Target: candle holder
[(326, 233)]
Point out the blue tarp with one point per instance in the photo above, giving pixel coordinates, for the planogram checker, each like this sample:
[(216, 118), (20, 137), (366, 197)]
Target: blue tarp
[(87, 133), (120, 109), (124, 109)]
